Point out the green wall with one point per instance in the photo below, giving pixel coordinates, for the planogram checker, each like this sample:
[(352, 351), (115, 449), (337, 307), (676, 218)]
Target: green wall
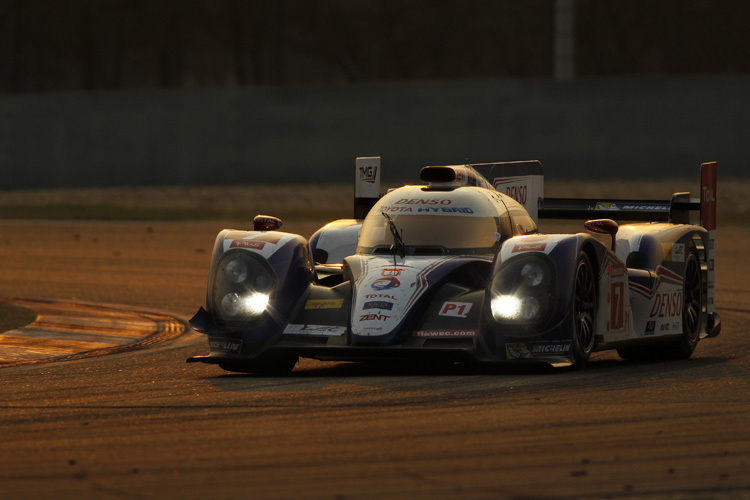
[(598, 128)]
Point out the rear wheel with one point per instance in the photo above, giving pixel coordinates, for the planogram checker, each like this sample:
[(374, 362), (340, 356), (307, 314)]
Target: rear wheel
[(584, 310), (693, 317), (272, 365), (693, 305)]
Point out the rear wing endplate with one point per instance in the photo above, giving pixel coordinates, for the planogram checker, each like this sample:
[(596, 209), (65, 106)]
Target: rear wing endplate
[(366, 184)]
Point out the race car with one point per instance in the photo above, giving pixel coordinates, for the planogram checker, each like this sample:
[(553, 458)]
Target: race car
[(455, 270)]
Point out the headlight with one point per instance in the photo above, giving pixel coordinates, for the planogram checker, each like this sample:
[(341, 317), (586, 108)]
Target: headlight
[(234, 305), (236, 270), (522, 290), (243, 284), (532, 273)]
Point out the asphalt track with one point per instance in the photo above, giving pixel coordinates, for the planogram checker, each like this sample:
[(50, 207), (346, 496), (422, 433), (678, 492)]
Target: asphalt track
[(144, 424)]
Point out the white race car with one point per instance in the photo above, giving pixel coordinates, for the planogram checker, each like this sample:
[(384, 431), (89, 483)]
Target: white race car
[(454, 270)]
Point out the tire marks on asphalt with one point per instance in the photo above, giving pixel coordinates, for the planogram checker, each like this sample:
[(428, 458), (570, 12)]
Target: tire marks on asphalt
[(64, 331)]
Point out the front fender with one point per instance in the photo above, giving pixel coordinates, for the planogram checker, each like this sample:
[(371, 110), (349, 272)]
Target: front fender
[(287, 256), (551, 335)]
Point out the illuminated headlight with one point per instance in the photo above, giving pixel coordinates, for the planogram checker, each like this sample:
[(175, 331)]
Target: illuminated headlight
[(522, 291), (234, 305), (509, 307), (505, 307), (243, 284)]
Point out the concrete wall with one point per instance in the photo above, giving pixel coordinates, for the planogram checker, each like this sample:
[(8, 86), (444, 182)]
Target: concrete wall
[(600, 128)]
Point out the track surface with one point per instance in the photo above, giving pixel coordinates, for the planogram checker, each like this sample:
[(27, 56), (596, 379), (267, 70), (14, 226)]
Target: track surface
[(144, 424)]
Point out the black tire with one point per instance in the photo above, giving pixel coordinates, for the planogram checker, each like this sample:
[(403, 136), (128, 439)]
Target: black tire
[(693, 318), (693, 309), (584, 311), (270, 365)]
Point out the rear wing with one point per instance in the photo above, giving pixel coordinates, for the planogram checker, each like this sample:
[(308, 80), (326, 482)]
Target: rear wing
[(524, 182)]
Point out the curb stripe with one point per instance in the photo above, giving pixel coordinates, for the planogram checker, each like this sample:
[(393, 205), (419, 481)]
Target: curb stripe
[(71, 331)]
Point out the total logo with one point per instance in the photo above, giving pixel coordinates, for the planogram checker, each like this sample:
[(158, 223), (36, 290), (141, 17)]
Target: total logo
[(386, 283)]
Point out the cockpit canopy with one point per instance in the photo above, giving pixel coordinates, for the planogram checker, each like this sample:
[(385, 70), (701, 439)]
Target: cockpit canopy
[(461, 221)]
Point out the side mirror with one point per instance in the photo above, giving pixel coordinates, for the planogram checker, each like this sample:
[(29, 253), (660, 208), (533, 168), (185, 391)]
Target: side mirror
[(266, 223), (603, 226)]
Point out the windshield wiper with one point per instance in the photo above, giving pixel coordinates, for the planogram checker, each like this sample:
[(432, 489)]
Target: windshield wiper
[(398, 246)]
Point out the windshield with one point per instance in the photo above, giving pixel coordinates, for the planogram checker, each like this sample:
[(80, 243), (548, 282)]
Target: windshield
[(450, 223), (431, 234)]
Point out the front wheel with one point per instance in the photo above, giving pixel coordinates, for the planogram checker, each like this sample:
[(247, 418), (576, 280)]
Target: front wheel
[(584, 310)]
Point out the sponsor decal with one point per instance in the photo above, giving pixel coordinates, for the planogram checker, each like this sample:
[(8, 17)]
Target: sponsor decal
[(322, 330), (445, 333), (379, 296), (391, 208), (455, 309), (378, 304), (650, 208), (550, 347), (374, 317), (520, 350), (255, 245), (390, 272), (678, 252), (426, 207), (517, 350), (650, 327), (708, 195), (667, 305), (673, 252), (601, 205), (225, 346), (422, 201), (386, 283), (368, 173), (256, 242), (324, 304), (518, 193), (606, 206), (402, 291), (529, 247), (443, 210)]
